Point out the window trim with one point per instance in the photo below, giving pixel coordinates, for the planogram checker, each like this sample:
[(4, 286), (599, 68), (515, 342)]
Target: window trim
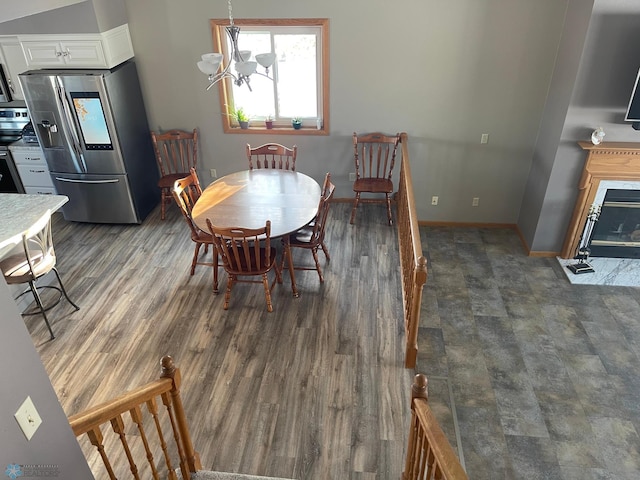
[(225, 86)]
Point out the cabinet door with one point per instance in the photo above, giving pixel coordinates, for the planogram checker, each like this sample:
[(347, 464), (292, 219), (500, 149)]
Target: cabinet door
[(83, 53), (16, 64), (41, 54)]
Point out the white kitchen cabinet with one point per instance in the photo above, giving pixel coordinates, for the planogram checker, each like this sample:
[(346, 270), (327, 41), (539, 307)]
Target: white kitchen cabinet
[(33, 169), (99, 50), (15, 63)]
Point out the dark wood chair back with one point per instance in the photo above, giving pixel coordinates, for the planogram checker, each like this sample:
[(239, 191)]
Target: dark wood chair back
[(374, 156), (176, 153), (246, 252), (272, 155)]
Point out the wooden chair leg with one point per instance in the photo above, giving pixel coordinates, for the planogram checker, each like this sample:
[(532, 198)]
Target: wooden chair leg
[(355, 206), (326, 251), (389, 209), (215, 268), (267, 292), (162, 203), (314, 252), (227, 294), (195, 258)]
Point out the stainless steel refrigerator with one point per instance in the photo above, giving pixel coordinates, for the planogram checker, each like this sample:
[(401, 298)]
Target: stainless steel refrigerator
[(92, 127)]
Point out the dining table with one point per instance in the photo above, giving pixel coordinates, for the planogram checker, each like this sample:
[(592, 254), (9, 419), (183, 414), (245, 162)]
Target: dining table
[(249, 198)]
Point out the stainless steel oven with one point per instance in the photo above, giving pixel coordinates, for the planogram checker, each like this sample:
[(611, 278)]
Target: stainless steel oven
[(12, 121), (5, 91)]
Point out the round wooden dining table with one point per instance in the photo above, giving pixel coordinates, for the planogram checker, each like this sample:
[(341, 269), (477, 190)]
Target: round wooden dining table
[(251, 197)]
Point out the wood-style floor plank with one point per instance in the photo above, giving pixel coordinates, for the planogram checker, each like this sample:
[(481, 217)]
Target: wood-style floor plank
[(316, 389)]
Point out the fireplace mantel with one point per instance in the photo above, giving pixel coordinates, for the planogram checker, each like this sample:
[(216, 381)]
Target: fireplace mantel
[(607, 161)]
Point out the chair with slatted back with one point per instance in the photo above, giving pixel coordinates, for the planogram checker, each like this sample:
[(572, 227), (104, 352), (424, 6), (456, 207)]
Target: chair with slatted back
[(272, 155), (176, 153), (312, 238), (186, 191), (33, 259), (375, 156), (246, 252)]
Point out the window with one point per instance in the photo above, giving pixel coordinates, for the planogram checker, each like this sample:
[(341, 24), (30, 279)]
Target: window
[(300, 85)]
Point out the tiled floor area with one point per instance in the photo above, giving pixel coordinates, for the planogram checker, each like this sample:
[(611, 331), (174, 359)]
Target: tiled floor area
[(543, 373)]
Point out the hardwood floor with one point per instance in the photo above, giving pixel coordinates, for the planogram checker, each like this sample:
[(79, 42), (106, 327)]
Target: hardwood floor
[(314, 390)]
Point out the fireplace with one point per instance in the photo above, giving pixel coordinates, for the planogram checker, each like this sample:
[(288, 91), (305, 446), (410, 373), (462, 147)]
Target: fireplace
[(617, 232), (609, 166)]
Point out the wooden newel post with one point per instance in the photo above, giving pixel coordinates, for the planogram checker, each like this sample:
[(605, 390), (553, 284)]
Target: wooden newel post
[(418, 390), (169, 370)]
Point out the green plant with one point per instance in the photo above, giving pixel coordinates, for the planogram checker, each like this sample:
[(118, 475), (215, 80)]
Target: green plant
[(296, 120), (238, 113)]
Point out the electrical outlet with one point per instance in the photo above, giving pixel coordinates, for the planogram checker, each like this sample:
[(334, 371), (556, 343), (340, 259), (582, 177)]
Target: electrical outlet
[(214, 174), (28, 418), (484, 138), (352, 177), (434, 200), (475, 202)]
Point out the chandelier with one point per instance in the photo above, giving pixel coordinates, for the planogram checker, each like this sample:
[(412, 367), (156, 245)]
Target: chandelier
[(244, 67)]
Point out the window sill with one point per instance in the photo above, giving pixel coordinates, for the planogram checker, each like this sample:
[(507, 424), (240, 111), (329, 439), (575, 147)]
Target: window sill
[(252, 130)]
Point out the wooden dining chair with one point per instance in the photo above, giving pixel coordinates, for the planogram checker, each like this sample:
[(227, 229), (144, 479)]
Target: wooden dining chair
[(33, 259), (272, 155), (246, 252), (186, 191), (176, 153), (312, 238), (375, 156)]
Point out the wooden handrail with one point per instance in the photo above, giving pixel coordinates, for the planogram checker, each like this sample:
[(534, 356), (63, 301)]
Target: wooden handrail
[(429, 453), (167, 389), (413, 264)]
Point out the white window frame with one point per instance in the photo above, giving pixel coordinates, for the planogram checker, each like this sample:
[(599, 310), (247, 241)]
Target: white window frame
[(225, 87)]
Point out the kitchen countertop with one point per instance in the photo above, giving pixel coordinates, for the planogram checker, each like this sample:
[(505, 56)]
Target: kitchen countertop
[(22, 145), (19, 211)]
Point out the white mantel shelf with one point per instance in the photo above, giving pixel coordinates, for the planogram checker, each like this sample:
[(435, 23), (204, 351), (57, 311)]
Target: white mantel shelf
[(20, 211)]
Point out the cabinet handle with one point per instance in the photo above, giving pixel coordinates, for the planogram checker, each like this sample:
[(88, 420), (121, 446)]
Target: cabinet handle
[(66, 53), (58, 53)]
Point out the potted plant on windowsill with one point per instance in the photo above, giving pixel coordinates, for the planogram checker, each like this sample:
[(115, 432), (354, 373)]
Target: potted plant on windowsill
[(296, 123), (240, 116), (268, 122)]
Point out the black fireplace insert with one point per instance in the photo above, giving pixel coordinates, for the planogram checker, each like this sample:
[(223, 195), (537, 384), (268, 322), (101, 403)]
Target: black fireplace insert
[(617, 232)]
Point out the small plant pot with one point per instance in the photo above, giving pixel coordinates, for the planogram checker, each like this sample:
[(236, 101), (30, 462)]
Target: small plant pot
[(269, 124), (244, 125), (296, 125)]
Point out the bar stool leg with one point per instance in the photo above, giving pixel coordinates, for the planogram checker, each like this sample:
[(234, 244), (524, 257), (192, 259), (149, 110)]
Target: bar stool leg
[(36, 296)]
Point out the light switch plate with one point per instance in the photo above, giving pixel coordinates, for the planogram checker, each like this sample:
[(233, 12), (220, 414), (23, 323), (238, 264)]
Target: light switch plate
[(28, 418)]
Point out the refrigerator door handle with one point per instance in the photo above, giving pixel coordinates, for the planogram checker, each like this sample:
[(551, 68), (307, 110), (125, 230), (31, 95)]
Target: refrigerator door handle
[(71, 180), (75, 143)]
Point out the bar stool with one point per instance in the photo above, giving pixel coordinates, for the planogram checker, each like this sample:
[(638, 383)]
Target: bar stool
[(33, 260)]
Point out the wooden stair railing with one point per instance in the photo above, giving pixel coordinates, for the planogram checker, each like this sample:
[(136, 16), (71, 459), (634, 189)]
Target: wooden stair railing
[(429, 453), (413, 265), (173, 441)]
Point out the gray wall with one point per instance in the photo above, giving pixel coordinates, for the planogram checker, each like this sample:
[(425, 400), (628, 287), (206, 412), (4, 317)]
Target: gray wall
[(594, 92), (53, 443), (536, 75), (444, 72)]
